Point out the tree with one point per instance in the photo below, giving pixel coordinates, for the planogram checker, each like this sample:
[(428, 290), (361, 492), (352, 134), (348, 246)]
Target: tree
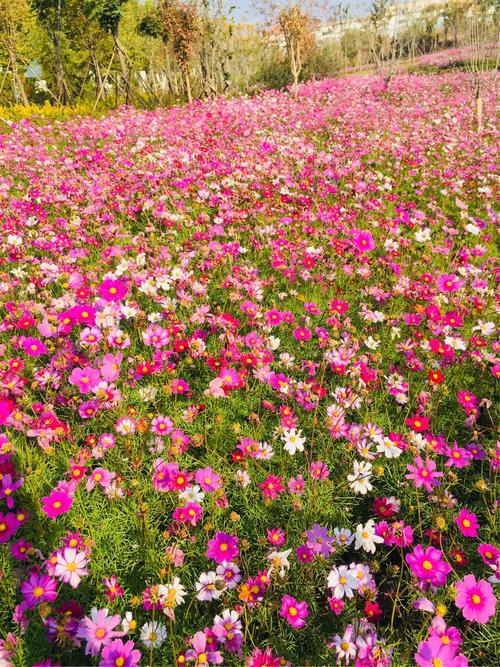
[(178, 25), (15, 24), (108, 13), (51, 14), (481, 41), (382, 28), (296, 28)]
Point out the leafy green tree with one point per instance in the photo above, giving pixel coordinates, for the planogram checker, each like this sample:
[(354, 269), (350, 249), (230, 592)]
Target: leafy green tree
[(52, 14), (108, 14), (16, 22)]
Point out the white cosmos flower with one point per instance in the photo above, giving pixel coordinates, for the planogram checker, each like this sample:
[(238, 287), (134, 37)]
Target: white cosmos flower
[(172, 594), (274, 343), (279, 562), (342, 581), (366, 538), (293, 440), (387, 447), (359, 481), (192, 494), (153, 634)]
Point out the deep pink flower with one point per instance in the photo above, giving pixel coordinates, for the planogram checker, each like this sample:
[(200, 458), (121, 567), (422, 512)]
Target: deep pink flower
[(201, 652), (112, 290), (34, 347), (293, 611), (476, 599), (207, 479), (363, 240), (434, 653), (427, 566), (85, 379), (56, 503), (467, 523), (223, 548)]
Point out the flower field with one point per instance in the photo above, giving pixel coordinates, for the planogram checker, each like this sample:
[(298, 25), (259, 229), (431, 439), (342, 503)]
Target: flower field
[(249, 356)]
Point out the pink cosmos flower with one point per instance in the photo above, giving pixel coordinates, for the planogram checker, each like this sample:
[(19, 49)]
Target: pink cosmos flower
[(427, 565), (56, 503), (8, 526), (488, 553), (113, 589), (363, 240), (117, 653), (70, 566), (208, 480), (98, 630), (424, 474), (448, 282), (112, 290), (110, 366), (161, 425), (293, 611), (434, 653), (476, 599), (84, 378), (34, 347), (276, 537), (271, 487), (99, 476), (223, 548), (302, 333), (467, 523), (7, 488), (201, 652)]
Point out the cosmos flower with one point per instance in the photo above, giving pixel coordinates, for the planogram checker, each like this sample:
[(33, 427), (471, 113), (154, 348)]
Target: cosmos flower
[(476, 599), (293, 611)]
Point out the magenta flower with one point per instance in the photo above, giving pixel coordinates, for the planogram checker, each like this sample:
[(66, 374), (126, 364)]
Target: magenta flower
[(110, 366), (424, 474), (428, 566), (467, 523), (38, 588), (98, 630), (476, 599), (223, 548), (293, 611), (8, 526), (56, 503), (448, 282), (488, 553), (34, 347), (112, 290), (117, 653), (363, 240), (301, 333)]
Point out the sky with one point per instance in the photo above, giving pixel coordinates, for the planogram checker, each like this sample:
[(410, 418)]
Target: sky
[(245, 10)]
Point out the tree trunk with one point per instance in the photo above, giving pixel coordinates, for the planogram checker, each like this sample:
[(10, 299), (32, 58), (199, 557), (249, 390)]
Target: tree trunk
[(97, 72), (123, 65), (187, 82), (17, 83)]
